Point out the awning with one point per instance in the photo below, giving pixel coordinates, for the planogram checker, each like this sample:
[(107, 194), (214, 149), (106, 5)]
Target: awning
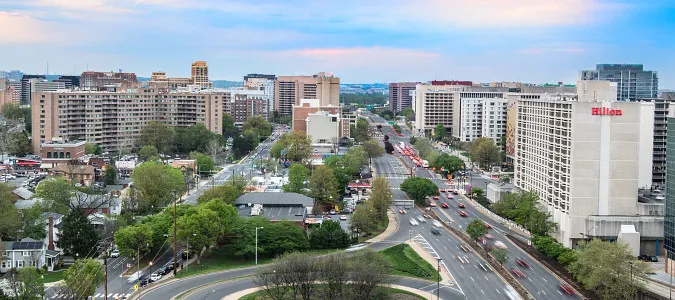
[(46, 166)]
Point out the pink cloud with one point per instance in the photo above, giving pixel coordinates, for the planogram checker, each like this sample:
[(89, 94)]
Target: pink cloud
[(98, 6), (22, 29)]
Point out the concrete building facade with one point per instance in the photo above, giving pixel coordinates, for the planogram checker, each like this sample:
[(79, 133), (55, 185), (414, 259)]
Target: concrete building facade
[(633, 82), (324, 130), (478, 114), (200, 74), (25, 87), (669, 218), (290, 90), (585, 156), (95, 81), (434, 104), (310, 106), (399, 95), (662, 106), (264, 83)]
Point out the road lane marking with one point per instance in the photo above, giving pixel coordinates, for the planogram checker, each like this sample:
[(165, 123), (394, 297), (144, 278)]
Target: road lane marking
[(482, 292)]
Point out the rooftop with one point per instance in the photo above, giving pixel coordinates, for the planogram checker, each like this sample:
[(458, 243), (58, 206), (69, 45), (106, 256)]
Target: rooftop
[(275, 213), (275, 199)]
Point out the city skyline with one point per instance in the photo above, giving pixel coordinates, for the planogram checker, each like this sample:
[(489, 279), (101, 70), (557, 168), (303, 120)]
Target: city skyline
[(524, 40)]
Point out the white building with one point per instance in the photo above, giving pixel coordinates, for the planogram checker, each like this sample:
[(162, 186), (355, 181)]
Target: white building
[(324, 130), (433, 106), (586, 156), (265, 84)]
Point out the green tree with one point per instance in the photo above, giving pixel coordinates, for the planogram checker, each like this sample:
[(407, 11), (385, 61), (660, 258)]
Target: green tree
[(500, 254), (284, 237), (226, 193), (297, 175), (19, 144), (484, 152), (83, 277), (199, 227), (194, 138), (56, 194), (387, 114), (134, 238), (419, 188), (148, 152), (205, 163), (159, 135), (94, 149), (77, 236), (363, 219), (477, 192), (524, 208), (157, 184), (408, 113), (244, 144), (33, 225), (110, 174), (12, 111), (243, 236), (229, 130), (259, 125), (380, 198), (373, 149), (355, 158), (297, 145), (396, 128), (343, 171), (10, 221), (449, 163), (606, 268), (361, 131), (476, 229), (26, 284), (439, 132), (226, 214), (329, 236), (323, 186)]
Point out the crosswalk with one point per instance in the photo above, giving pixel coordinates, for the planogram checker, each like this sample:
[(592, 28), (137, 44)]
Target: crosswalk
[(111, 296)]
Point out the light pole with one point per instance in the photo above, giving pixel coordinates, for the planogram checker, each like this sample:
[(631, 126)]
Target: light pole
[(438, 280), (631, 272), (256, 244), (187, 254)]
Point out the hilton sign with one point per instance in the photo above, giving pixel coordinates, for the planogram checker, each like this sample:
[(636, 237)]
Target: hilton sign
[(604, 111)]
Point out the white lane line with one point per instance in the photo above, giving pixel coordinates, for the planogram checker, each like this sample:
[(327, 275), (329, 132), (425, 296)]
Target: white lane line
[(560, 293), (498, 291), (482, 292), (544, 279), (472, 278), (486, 278)]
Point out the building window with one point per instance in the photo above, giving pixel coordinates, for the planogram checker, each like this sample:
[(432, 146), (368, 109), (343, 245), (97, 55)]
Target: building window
[(67, 154), (26, 253), (49, 155), (19, 264), (61, 155)]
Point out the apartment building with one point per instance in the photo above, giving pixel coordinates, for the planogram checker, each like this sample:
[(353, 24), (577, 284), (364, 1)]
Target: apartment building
[(245, 103), (662, 106), (264, 83), (309, 106), (434, 104), (96, 81), (200, 74), (478, 114), (290, 90), (159, 79), (7, 93), (399, 95), (633, 82), (586, 156), (114, 120), (669, 220), (323, 128)]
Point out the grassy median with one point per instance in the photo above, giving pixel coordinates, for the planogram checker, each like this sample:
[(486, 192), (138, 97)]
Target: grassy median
[(407, 262)]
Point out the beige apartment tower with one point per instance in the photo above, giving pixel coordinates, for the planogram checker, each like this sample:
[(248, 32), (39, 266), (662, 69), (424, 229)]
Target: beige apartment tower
[(200, 74), (290, 90)]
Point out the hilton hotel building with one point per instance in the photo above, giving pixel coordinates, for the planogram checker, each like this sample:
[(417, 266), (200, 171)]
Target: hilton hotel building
[(586, 155)]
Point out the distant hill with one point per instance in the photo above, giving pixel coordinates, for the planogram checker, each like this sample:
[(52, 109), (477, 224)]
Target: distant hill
[(223, 84)]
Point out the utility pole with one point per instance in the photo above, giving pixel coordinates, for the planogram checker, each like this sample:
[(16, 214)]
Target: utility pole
[(438, 280), (105, 275), (175, 248)]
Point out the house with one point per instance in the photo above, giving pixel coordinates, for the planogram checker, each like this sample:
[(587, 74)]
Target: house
[(82, 174), (275, 206), (27, 253), (23, 193), (104, 204)]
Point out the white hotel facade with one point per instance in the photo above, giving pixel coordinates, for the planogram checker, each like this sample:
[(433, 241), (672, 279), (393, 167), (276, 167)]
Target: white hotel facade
[(585, 154)]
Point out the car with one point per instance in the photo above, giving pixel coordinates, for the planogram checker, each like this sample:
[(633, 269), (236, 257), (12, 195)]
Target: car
[(426, 216), (518, 273), (413, 222), (455, 192), (327, 217), (481, 240), (441, 190), (421, 219), (9, 176), (643, 257), (435, 231), (500, 245), (444, 205), (432, 204), (461, 205), (402, 211), (653, 259), (356, 247), (332, 211), (436, 223), (567, 289), (144, 282), (435, 197), (343, 218), (488, 226), (155, 276), (489, 237), (462, 213), (167, 269), (450, 196), (115, 253), (523, 263)]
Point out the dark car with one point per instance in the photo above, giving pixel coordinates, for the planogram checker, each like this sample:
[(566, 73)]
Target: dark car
[(643, 257), (145, 281), (653, 259), (435, 231)]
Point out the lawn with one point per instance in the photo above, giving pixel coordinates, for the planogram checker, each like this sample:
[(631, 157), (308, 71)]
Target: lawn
[(54, 276), (380, 229), (393, 293), (221, 259), (407, 262)]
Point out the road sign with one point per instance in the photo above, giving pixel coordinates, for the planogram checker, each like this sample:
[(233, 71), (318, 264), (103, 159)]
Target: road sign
[(135, 287)]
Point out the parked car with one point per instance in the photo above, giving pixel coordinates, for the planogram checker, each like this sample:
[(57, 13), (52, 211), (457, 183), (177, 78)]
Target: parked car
[(155, 276), (332, 211), (115, 253), (643, 257), (653, 259), (343, 218)]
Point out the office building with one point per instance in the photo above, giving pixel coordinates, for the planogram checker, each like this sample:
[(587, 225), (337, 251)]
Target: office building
[(452, 82), (290, 90), (323, 128), (662, 106), (114, 120), (434, 105), (478, 114), (200, 74), (399, 95), (97, 81), (61, 152), (25, 87), (42, 85), (669, 218), (586, 156), (158, 76), (13, 75), (71, 81), (309, 106), (158, 79), (633, 82), (264, 83)]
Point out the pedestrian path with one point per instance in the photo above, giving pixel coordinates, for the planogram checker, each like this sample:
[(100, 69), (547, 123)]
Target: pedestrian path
[(111, 296)]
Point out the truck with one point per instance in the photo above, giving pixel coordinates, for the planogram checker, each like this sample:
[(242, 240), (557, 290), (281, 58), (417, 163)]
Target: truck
[(425, 163)]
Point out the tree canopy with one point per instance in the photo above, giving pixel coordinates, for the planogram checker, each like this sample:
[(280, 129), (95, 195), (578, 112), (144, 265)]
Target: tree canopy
[(329, 236), (245, 143), (297, 145), (373, 149), (159, 135), (227, 193), (297, 175), (83, 277), (380, 198), (449, 163), (229, 130), (205, 163), (258, 125), (439, 132), (157, 184), (524, 208), (77, 236), (419, 188), (484, 152), (361, 131), (476, 229), (90, 148), (323, 186)]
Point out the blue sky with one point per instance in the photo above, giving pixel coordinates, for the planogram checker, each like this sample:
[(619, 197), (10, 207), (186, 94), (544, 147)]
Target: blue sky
[(360, 41)]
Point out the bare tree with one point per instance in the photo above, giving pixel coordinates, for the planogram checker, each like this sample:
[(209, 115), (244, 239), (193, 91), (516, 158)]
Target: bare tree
[(369, 274), (214, 149), (301, 269), (334, 272), (272, 282)]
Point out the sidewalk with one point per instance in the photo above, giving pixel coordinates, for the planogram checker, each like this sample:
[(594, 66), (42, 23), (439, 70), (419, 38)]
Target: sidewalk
[(391, 228), (446, 278)]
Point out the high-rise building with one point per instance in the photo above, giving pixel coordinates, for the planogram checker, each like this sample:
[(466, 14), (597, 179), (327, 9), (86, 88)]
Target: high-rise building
[(633, 82), (264, 83), (669, 218), (290, 90), (7, 94), (14, 75), (95, 81), (159, 79), (42, 85), (70, 81), (662, 106), (399, 95), (25, 87), (585, 156), (200, 74), (434, 104), (479, 114), (246, 103)]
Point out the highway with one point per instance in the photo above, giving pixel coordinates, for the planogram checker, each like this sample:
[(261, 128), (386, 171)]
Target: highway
[(540, 282)]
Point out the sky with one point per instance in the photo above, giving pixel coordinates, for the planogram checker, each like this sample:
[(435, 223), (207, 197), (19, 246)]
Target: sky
[(362, 41)]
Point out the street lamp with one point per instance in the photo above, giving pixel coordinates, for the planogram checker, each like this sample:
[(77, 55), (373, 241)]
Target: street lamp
[(438, 280), (631, 272), (187, 254), (256, 244)]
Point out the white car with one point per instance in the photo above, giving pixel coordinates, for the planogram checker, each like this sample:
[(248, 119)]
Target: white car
[(155, 276), (9, 176), (421, 219), (413, 222), (115, 253), (437, 224)]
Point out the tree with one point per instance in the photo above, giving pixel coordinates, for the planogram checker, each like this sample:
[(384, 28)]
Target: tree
[(524, 208), (159, 135), (387, 114), (477, 192), (323, 186), (56, 194), (10, 221), (193, 138), (77, 236), (449, 163), (484, 152), (148, 152), (355, 158), (33, 225), (229, 130), (373, 149), (110, 177), (363, 220), (83, 277), (297, 176), (285, 237), (439, 132), (408, 113), (419, 188), (26, 283), (199, 229), (12, 111), (134, 240), (606, 268), (361, 131), (227, 193), (476, 229), (244, 144), (297, 146), (243, 236), (273, 239), (259, 125), (500, 254), (94, 149), (157, 184), (205, 163), (226, 214), (329, 236), (380, 198), (19, 143), (371, 275)]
